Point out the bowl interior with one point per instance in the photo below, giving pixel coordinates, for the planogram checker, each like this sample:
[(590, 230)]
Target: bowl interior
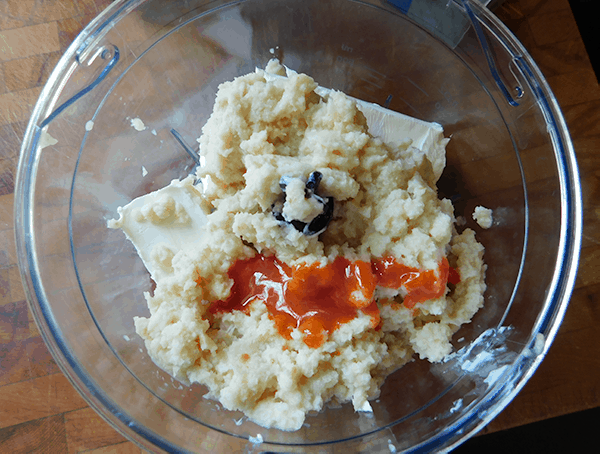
[(171, 64)]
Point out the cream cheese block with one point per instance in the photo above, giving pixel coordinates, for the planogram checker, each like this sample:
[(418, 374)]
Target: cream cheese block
[(394, 128), (163, 222)]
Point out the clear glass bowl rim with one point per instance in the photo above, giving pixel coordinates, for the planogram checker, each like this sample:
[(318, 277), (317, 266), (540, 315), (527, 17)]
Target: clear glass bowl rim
[(556, 300)]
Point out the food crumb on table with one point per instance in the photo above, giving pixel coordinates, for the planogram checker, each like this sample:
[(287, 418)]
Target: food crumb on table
[(138, 124)]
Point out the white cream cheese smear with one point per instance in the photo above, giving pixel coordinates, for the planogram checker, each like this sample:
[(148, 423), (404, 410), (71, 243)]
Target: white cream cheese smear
[(163, 222)]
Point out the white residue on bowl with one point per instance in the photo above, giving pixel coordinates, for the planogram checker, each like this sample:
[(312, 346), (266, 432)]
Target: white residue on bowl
[(391, 447), (144, 171), (256, 440), (126, 337), (487, 357), (366, 407), (537, 348), (540, 341), (89, 125), (153, 132), (238, 422), (457, 405), (138, 124), (46, 140), (494, 375), (478, 362)]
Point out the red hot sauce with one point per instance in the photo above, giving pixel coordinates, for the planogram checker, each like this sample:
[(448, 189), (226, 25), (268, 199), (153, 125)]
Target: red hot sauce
[(318, 299)]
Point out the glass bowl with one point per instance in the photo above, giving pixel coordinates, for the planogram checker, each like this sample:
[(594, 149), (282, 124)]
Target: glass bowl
[(161, 62)]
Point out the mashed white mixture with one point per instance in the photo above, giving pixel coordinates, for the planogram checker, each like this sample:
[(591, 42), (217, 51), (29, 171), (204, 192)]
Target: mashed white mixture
[(386, 205)]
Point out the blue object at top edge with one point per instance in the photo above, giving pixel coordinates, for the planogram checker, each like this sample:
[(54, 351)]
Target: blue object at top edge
[(403, 5)]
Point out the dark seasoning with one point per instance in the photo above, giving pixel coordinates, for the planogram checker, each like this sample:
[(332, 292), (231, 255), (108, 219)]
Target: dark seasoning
[(321, 221)]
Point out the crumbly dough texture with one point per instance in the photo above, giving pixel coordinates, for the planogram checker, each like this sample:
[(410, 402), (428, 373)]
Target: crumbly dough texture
[(483, 217), (385, 204)]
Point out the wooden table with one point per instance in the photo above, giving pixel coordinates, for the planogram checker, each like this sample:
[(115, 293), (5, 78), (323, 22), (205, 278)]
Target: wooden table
[(41, 412)]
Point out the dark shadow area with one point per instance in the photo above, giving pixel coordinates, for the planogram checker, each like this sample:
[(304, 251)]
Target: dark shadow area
[(585, 16), (573, 433)]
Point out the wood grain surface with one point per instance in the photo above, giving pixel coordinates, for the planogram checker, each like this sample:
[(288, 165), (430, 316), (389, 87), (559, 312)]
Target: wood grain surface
[(41, 412)]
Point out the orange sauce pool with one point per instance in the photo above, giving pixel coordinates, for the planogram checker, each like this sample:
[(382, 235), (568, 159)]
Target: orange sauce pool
[(318, 299)]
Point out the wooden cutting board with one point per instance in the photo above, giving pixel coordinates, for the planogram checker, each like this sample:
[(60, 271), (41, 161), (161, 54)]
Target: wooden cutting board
[(41, 412)]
